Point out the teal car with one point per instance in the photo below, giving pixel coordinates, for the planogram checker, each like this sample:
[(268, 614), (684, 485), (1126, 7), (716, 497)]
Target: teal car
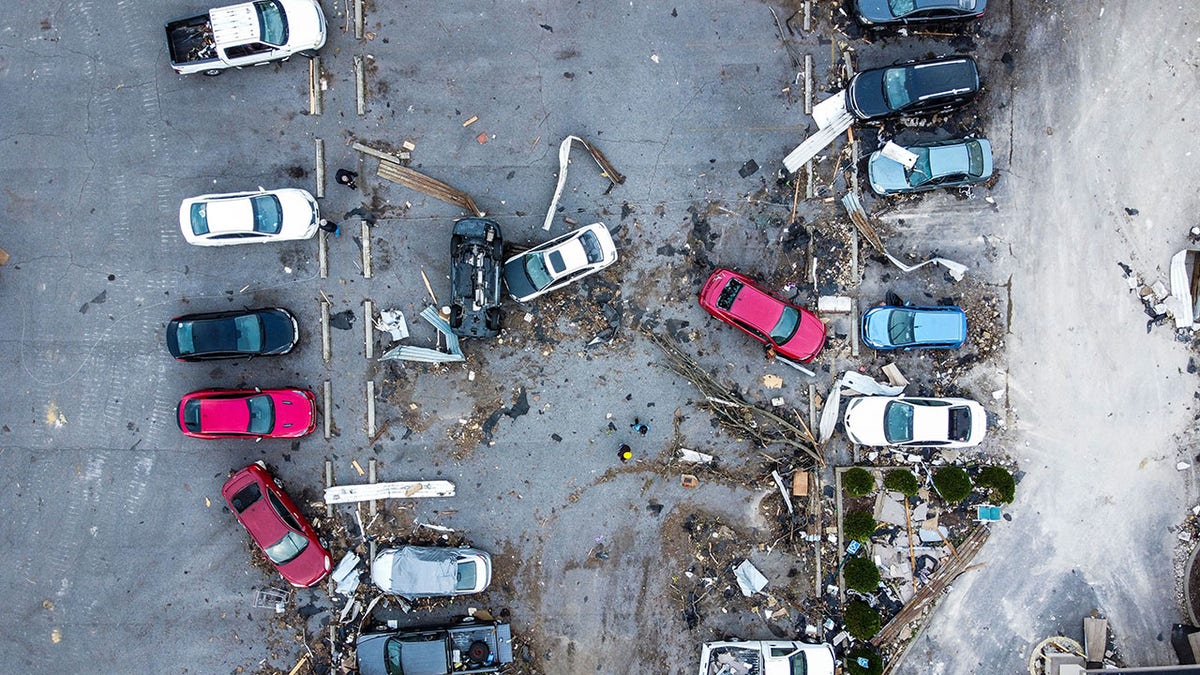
[(939, 165), (889, 327)]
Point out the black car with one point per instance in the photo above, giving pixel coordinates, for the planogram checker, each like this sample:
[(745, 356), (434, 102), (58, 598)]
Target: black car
[(471, 646), (915, 88), (476, 252), (231, 335), (895, 12)]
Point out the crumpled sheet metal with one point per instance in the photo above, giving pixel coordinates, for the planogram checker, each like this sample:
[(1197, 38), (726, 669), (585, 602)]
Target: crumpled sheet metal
[(858, 214), (750, 580), (854, 381), (425, 354), (564, 159)]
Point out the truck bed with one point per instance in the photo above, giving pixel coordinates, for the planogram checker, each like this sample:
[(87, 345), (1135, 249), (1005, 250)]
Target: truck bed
[(191, 40)]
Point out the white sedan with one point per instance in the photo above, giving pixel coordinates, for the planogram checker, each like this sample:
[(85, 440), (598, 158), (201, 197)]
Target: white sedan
[(916, 422), (559, 261), (249, 217)]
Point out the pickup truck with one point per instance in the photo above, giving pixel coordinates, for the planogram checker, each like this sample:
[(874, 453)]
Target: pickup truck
[(249, 34), (468, 647), (763, 657)]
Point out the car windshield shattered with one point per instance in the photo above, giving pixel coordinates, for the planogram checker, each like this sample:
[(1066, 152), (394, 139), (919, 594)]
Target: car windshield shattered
[(286, 549), (246, 497), (900, 327), (262, 416), (975, 158), (729, 294), (895, 87), (786, 327), (249, 333), (268, 214), (920, 173), (897, 422), (902, 7)]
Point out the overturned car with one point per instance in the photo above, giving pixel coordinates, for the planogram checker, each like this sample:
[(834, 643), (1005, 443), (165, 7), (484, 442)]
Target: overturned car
[(476, 251)]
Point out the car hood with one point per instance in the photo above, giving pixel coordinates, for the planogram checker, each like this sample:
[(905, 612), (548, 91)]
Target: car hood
[(300, 214), (519, 285), (370, 654), (808, 340), (885, 174), (280, 331), (308, 568), (875, 327), (874, 11), (294, 412), (306, 24), (863, 420), (865, 95)]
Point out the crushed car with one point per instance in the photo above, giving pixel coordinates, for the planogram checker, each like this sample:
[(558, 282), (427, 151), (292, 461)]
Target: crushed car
[(940, 164), (429, 572), (467, 647), (790, 331), (766, 657), (476, 252)]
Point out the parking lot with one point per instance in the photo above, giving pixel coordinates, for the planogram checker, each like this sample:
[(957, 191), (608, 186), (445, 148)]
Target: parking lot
[(122, 555)]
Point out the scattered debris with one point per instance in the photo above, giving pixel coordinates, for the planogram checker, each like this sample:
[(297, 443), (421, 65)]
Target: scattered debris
[(835, 304), (693, 457), (452, 354), (392, 321), (772, 381), (856, 382), (894, 376), (564, 159), (750, 580), (346, 575), (407, 177), (687, 480), (858, 215), (748, 169)]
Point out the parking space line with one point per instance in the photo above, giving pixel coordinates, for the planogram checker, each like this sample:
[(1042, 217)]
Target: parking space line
[(325, 350), (372, 476), (368, 326), (808, 81), (328, 484), (327, 391), (358, 19), (323, 253), (360, 92), (370, 409), (854, 311), (319, 161), (366, 250), (314, 86)]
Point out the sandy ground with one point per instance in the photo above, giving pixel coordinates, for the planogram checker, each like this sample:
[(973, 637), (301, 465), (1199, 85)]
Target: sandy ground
[(1102, 410)]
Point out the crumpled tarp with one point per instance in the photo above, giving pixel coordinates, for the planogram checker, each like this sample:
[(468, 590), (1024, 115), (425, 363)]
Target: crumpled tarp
[(418, 571), (749, 579)]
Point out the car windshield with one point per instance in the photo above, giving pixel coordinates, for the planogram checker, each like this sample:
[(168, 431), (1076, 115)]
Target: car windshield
[(974, 158), (900, 327), (391, 660), (920, 173), (895, 87), (199, 219), (729, 294), (960, 423), (268, 214), (271, 22), (466, 576), (249, 333), (591, 247), (262, 414), (902, 7), (286, 549), (535, 269), (246, 497), (897, 422), (183, 336), (786, 327), (191, 415)]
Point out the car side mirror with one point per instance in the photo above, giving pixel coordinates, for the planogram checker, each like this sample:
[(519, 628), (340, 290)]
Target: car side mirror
[(258, 390), (258, 439)]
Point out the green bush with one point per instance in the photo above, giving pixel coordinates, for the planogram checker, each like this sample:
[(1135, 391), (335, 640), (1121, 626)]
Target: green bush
[(874, 661), (862, 621), (858, 482), (859, 526), (1001, 482), (861, 574), (902, 481), (952, 483)]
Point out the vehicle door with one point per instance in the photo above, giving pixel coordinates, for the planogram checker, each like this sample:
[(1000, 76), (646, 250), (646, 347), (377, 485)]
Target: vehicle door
[(249, 54)]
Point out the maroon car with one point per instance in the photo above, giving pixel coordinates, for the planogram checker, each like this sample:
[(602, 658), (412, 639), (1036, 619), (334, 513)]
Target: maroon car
[(248, 413), (276, 525), (793, 332)]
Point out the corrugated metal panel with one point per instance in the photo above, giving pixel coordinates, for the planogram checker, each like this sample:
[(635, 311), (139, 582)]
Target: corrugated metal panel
[(425, 354), (235, 24)]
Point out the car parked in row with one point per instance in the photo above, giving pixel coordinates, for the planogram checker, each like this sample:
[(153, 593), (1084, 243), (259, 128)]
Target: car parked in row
[(249, 217), (880, 13), (430, 572), (476, 252), (247, 413), (766, 657), (939, 164), (914, 88), (560, 261), (227, 335), (890, 327), (791, 331), (915, 422), (276, 525), (467, 647)]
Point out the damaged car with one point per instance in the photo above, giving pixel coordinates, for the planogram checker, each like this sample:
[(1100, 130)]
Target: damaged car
[(430, 572), (467, 647), (560, 261), (913, 88), (476, 251), (766, 657), (880, 13), (942, 164), (790, 331), (915, 422)]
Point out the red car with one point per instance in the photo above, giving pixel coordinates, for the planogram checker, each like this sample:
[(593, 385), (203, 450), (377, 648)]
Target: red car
[(276, 525), (248, 413), (793, 332)]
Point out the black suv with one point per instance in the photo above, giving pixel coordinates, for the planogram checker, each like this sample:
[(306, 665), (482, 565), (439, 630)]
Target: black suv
[(879, 13), (914, 88), (476, 252), (231, 335)]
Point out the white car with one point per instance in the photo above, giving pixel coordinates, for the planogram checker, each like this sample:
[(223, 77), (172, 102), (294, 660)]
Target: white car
[(429, 572), (766, 657), (915, 422), (249, 217), (559, 261)]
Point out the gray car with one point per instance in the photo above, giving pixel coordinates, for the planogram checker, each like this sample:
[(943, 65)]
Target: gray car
[(891, 12), (941, 164), (430, 572)]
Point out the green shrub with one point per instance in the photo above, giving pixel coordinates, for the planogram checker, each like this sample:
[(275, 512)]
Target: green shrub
[(1001, 482), (902, 481), (858, 482), (861, 574), (952, 483), (859, 526), (862, 621), (874, 661)]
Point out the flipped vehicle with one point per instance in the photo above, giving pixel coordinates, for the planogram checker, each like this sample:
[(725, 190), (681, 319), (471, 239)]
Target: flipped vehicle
[(914, 88), (258, 501), (467, 647), (560, 261), (891, 327), (791, 331), (229, 335), (430, 572), (246, 34), (915, 422), (939, 165), (476, 249), (880, 13), (247, 413), (766, 657), (249, 217)]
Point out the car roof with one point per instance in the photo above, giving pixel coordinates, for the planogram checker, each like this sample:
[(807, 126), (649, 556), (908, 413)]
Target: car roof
[(938, 325), (947, 159), (229, 215), (260, 518), (756, 307), (224, 414), (968, 5), (933, 78), (566, 257)]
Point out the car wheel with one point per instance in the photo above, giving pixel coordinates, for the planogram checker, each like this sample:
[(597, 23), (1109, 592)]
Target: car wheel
[(493, 319), (213, 72), (455, 316)]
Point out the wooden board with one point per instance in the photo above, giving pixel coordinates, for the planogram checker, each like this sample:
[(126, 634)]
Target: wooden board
[(346, 494), (800, 482)]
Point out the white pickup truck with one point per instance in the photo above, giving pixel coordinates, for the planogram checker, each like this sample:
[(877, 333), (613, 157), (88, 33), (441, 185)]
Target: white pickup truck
[(249, 34)]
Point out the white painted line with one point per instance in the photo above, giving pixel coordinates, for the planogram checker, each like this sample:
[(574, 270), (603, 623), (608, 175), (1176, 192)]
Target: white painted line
[(366, 250), (369, 328), (370, 409), (319, 174), (854, 320), (327, 391), (360, 84), (323, 253), (314, 86), (328, 484), (372, 476), (358, 19), (325, 350), (808, 80)]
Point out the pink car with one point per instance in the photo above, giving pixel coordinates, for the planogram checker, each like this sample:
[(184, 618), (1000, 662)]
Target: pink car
[(793, 332), (248, 413)]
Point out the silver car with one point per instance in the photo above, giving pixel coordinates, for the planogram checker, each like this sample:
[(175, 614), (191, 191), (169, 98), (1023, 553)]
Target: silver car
[(941, 164), (430, 572)]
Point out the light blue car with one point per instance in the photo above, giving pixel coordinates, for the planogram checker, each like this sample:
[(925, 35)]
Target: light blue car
[(888, 327), (940, 164)]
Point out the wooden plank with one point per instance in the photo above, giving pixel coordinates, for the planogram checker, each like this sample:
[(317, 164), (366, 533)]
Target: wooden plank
[(377, 154), (800, 484), (3, 257), (346, 494), (1095, 638), (426, 185)]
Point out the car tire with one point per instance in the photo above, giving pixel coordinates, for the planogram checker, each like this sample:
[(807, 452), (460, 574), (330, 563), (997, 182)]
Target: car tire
[(213, 72), (493, 319), (456, 316)]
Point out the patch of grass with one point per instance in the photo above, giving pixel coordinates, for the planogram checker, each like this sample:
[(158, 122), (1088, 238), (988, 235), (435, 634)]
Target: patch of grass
[(858, 482), (861, 574), (952, 483), (859, 526), (1001, 482)]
